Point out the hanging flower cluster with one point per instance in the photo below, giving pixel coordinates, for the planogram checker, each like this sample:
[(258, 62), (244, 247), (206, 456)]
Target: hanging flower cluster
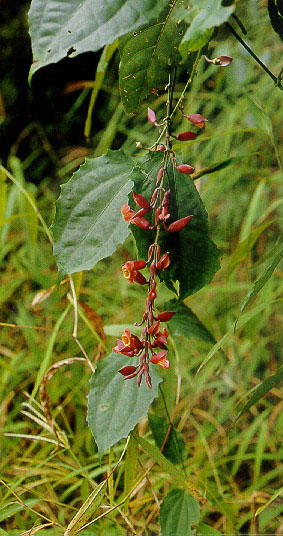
[(151, 346)]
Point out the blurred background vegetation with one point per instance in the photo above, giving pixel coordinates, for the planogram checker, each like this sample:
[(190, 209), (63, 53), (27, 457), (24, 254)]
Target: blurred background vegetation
[(42, 143)]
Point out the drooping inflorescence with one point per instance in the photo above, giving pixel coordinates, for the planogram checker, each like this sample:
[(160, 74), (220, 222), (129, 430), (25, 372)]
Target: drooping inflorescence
[(151, 346)]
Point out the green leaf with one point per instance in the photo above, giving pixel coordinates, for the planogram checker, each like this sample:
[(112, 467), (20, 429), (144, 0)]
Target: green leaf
[(259, 284), (167, 466), (88, 225), (148, 55), (61, 29), (175, 448), (261, 118), (131, 466), (206, 530), (194, 258), (203, 16), (219, 165), (178, 512), (186, 323), (262, 389), (244, 248), (116, 405), (86, 510)]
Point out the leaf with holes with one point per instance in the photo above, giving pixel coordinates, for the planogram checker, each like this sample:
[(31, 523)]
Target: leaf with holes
[(88, 225), (178, 512), (194, 258), (115, 405), (147, 56), (67, 28)]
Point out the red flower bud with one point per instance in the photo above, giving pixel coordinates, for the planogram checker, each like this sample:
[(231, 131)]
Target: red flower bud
[(151, 117), (161, 147), (152, 294), (165, 316), (221, 61), (160, 175), (141, 222), (185, 136), (140, 200), (185, 168), (197, 120), (163, 262), (179, 224), (154, 329), (125, 371)]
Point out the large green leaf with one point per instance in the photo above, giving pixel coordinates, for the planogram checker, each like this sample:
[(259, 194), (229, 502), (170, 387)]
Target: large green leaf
[(148, 55), (116, 405), (186, 323), (178, 512), (88, 225), (206, 530), (175, 448), (265, 276), (262, 389), (194, 258), (203, 16), (61, 29)]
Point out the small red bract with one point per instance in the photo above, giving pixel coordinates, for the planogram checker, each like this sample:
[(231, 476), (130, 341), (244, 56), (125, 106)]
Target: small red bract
[(185, 168), (185, 136), (197, 120)]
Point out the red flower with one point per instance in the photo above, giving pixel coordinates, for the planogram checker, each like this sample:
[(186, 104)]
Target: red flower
[(161, 359), (127, 212), (132, 341), (131, 271), (140, 200)]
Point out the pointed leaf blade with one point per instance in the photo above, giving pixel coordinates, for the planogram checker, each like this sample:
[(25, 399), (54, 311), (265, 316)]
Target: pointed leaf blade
[(147, 55), (115, 405), (88, 225), (178, 512)]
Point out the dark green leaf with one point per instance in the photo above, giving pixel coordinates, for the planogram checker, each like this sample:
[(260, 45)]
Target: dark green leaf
[(262, 389), (203, 17), (61, 29), (259, 284), (186, 323), (178, 512), (175, 448), (88, 225), (194, 258), (116, 405), (147, 56)]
